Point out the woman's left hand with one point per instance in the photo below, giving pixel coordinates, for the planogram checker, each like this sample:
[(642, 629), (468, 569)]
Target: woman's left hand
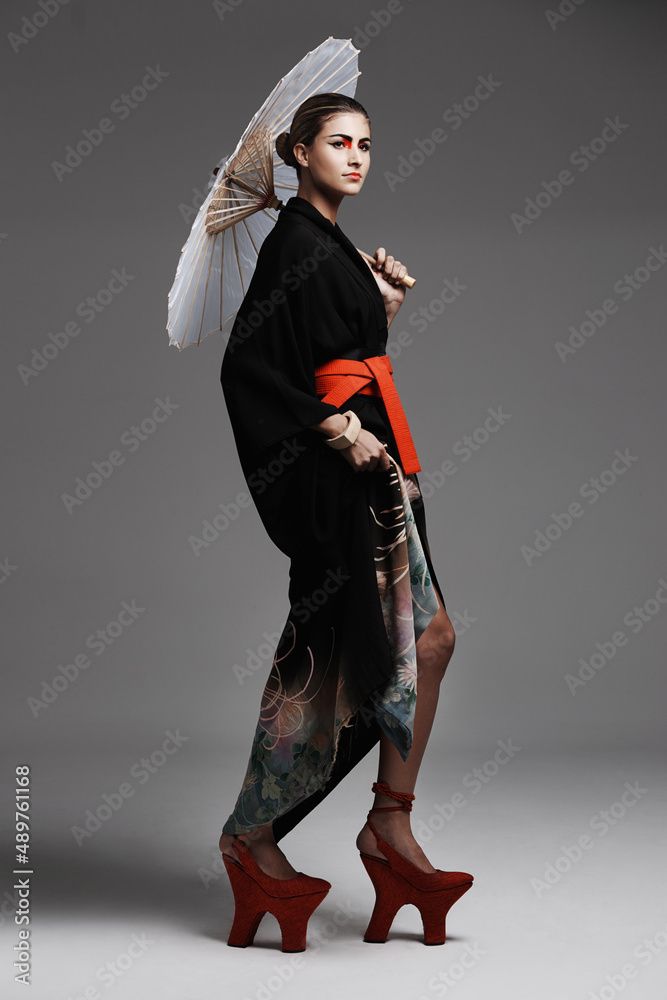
[(389, 273)]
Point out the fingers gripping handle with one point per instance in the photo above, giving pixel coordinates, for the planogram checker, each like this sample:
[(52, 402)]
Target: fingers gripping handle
[(407, 280)]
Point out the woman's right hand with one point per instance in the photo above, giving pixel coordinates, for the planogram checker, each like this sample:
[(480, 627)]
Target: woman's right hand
[(367, 453)]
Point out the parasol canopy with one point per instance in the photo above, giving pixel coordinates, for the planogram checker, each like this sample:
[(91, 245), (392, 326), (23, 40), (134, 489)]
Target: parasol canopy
[(218, 259)]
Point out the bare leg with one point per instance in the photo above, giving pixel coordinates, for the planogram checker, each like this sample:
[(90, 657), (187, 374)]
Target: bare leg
[(434, 649), (265, 851)]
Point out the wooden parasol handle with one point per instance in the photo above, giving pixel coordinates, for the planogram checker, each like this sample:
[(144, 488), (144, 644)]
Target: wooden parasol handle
[(407, 280)]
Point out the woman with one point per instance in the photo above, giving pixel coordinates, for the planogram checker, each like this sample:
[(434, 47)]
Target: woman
[(330, 463)]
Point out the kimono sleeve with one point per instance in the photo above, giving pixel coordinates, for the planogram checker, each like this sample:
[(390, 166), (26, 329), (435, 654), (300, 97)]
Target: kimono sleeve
[(268, 368)]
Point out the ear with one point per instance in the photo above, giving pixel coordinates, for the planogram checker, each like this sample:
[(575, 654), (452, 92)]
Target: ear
[(301, 154)]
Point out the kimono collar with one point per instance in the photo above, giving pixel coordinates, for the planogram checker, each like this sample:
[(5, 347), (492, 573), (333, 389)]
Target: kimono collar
[(303, 207)]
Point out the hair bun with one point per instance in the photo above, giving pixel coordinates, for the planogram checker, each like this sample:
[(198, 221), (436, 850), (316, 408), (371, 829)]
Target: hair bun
[(284, 148)]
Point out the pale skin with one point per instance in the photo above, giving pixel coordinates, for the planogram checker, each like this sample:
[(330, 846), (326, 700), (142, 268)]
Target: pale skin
[(341, 149)]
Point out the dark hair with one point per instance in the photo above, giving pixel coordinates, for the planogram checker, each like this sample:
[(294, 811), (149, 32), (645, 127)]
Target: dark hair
[(309, 119)]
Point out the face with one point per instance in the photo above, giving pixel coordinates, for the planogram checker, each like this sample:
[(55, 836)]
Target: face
[(340, 156)]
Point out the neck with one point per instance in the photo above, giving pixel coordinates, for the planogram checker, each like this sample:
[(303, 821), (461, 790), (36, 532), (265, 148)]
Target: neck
[(321, 201)]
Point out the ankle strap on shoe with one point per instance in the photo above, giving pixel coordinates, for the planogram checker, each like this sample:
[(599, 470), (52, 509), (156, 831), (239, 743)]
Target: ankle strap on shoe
[(404, 799)]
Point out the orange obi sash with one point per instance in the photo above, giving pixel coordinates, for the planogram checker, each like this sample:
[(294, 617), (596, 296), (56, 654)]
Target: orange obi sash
[(341, 378)]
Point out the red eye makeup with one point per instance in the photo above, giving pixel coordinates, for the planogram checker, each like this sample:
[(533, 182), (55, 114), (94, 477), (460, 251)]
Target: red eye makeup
[(347, 140)]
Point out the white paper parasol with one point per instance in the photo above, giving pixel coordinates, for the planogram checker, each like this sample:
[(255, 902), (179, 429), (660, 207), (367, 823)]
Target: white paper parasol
[(218, 259)]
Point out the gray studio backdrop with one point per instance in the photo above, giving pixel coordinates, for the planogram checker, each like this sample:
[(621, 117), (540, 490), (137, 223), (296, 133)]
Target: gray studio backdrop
[(518, 169)]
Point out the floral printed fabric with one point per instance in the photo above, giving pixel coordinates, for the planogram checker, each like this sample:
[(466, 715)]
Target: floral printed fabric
[(408, 605), (303, 711)]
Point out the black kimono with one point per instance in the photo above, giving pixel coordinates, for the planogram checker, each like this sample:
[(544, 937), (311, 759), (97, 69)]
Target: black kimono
[(362, 583)]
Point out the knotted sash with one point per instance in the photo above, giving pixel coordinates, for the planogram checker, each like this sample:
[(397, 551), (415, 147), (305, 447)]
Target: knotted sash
[(341, 378)]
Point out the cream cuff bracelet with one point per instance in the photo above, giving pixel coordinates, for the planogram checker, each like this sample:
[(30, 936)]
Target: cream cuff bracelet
[(349, 435)]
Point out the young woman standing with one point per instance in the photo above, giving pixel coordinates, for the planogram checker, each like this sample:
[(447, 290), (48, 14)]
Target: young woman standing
[(328, 457)]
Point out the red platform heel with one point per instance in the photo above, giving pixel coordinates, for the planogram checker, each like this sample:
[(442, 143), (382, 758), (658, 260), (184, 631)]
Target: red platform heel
[(397, 882), (292, 901)]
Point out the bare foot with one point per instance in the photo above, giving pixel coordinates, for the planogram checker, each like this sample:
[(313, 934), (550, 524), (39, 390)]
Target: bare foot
[(264, 850), (394, 827)]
